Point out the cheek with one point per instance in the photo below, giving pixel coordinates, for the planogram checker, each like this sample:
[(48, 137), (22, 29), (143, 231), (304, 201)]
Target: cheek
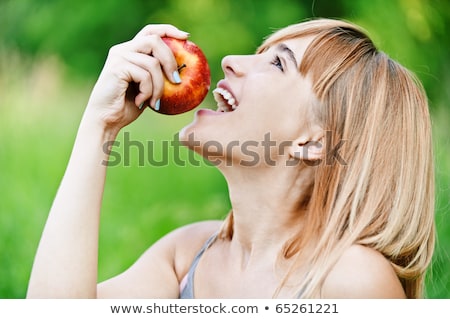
[(280, 115), (278, 95)]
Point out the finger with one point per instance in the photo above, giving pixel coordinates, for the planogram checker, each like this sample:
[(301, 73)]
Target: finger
[(153, 67), (163, 30), (158, 88), (167, 60), (144, 80), (153, 45)]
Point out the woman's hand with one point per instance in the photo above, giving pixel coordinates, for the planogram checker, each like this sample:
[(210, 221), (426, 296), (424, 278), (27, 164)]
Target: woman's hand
[(133, 77)]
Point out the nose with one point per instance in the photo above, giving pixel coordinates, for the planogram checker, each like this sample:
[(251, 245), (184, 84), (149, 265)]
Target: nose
[(233, 65)]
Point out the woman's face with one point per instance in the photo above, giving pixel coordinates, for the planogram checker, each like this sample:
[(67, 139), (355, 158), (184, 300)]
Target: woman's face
[(263, 104)]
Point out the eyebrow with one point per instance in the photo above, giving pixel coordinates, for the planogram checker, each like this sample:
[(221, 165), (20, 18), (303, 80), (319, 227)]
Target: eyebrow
[(284, 48)]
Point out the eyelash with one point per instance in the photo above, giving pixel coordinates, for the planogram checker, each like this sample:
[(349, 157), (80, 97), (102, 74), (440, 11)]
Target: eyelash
[(277, 62)]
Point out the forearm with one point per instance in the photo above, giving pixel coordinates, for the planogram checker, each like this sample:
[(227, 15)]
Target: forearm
[(65, 265)]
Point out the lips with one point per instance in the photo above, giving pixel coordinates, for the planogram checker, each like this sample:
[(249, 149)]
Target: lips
[(226, 102)]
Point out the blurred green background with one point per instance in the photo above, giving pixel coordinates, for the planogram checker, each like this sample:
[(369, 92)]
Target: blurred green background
[(50, 54)]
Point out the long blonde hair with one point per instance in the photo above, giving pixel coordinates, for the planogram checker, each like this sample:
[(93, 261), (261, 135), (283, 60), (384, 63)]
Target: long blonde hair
[(383, 195)]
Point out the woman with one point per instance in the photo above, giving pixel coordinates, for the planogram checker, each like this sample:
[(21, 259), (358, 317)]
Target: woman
[(339, 203)]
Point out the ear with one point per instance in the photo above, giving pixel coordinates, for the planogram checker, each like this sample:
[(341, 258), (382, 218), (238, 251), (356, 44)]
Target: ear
[(307, 149)]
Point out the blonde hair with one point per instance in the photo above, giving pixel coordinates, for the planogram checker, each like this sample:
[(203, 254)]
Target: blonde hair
[(383, 197)]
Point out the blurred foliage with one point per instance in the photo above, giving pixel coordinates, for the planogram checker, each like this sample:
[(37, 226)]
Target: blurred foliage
[(415, 32), (51, 52)]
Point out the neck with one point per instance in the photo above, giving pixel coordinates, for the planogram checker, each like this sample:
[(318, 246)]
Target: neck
[(267, 204)]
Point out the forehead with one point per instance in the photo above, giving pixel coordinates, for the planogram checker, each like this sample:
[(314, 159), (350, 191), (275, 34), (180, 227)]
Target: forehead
[(298, 46)]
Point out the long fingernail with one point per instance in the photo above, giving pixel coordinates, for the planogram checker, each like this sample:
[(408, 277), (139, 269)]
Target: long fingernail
[(157, 105), (141, 105), (176, 77)]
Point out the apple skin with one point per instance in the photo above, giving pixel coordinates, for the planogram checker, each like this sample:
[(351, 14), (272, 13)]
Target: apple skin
[(195, 78)]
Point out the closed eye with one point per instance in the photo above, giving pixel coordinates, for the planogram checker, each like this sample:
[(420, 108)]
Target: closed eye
[(277, 62)]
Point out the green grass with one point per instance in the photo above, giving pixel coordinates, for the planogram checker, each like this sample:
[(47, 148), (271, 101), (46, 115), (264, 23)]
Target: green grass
[(40, 109)]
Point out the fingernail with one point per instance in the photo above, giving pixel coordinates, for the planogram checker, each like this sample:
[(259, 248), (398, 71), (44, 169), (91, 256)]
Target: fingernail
[(157, 105), (176, 77), (141, 105)]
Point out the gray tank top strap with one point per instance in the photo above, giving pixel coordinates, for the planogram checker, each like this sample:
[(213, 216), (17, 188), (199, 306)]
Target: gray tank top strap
[(188, 290)]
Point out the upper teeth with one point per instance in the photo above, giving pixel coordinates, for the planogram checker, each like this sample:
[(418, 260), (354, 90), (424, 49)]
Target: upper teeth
[(225, 100)]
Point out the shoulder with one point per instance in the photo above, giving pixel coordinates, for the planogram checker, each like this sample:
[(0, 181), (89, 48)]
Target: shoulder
[(187, 238), (198, 230), (186, 242), (362, 272), (192, 237)]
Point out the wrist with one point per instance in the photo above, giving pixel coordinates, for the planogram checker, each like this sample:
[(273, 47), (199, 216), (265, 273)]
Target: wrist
[(94, 139), (96, 126)]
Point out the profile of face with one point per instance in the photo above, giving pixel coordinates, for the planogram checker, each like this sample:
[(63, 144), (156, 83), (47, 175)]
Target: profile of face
[(263, 97)]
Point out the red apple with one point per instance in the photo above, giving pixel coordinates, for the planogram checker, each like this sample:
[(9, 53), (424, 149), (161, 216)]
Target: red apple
[(195, 78)]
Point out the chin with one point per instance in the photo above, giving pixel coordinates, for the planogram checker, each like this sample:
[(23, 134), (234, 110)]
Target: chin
[(203, 134), (186, 133), (193, 135)]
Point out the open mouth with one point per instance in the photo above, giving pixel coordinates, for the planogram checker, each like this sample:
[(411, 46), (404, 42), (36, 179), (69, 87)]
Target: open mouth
[(225, 100)]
